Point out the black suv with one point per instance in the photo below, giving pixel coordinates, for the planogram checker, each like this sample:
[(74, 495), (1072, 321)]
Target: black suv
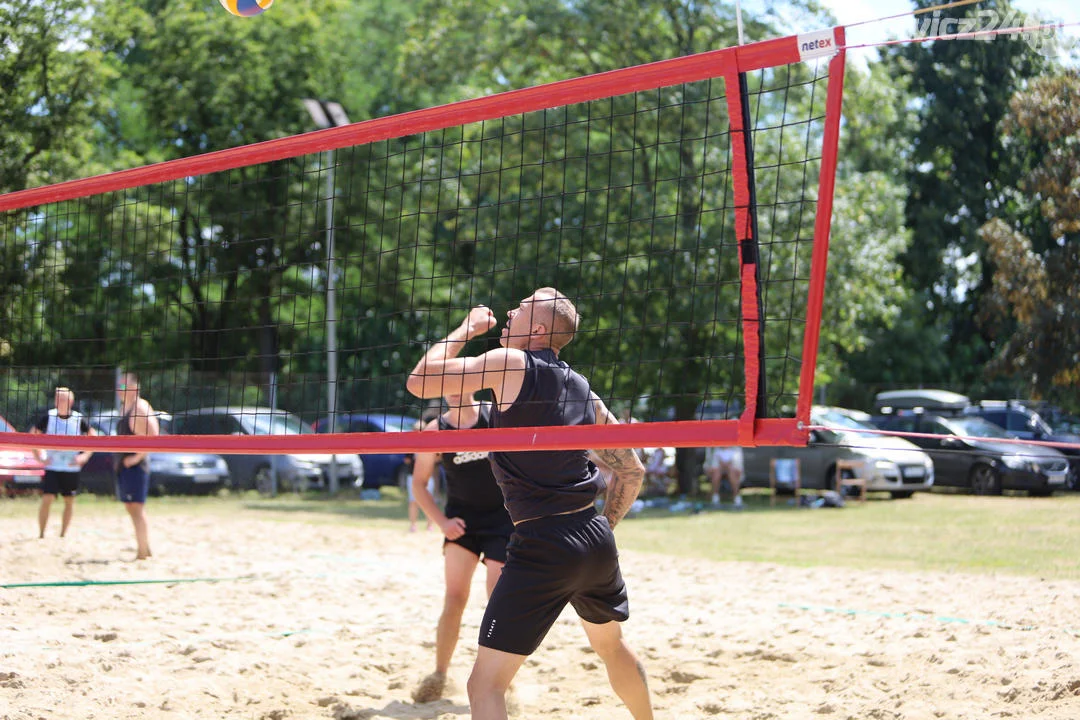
[(968, 454), (1019, 420)]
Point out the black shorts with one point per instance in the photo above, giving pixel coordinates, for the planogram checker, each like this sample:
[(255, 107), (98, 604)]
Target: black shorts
[(550, 562), (58, 482), (132, 484), (487, 532)]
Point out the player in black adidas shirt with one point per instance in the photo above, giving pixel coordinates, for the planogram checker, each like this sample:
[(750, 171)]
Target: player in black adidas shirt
[(474, 521)]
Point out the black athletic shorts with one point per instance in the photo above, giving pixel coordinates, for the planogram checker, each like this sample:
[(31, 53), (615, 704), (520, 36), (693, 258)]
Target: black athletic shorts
[(486, 531), (550, 562), (58, 482)]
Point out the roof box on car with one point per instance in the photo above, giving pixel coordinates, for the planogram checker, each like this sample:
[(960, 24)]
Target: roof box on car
[(928, 399)]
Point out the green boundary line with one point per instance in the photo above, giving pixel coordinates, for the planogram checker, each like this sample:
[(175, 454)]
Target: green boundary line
[(85, 583), (906, 615)]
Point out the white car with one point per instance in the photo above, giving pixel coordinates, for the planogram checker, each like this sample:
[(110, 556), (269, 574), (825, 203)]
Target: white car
[(294, 471), (889, 464)]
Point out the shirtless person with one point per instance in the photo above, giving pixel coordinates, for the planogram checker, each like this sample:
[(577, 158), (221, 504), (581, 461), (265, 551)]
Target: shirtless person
[(133, 469)]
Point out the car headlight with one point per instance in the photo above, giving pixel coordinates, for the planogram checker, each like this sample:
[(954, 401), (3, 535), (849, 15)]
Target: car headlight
[(1017, 462), (884, 468)]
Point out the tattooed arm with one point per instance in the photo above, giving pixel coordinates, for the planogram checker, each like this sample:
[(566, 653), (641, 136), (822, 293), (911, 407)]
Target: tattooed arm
[(627, 471)]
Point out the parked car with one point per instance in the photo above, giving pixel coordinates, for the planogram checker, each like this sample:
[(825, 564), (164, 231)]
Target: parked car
[(379, 468), (968, 455), (19, 467), (889, 464), (294, 472), (1016, 418), (190, 473), (1019, 420), (890, 401)]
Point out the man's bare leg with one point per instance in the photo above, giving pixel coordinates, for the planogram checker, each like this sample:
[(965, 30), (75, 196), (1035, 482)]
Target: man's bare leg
[(625, 672), (43, 513), (715, 474), (142, 534), (460, 565), (69, 510), (491, 676)]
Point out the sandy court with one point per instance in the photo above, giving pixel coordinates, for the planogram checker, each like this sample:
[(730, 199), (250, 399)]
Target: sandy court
[(312, 620)]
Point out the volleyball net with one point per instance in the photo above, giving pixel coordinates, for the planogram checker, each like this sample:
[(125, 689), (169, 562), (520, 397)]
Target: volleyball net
[(684, 206)]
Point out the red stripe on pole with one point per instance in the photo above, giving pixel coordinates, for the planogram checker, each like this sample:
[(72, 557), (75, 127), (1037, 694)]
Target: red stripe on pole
[(691, 68), (819, 259)]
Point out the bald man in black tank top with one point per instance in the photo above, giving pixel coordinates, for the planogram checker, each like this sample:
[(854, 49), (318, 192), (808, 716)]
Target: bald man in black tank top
[(474, 521), (561, 551)]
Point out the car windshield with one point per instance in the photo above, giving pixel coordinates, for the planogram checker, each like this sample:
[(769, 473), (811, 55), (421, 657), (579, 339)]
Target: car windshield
[(5, 426), (402, 424), (1040, 426), (977, 427), (275, 425), (840, 421)]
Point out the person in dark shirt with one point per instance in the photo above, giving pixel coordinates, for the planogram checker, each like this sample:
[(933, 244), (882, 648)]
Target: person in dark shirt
[(561, 551), (61, 466), (474, 521)]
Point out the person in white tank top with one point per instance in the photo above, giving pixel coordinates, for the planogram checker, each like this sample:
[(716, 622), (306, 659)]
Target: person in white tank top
[(61, 466)]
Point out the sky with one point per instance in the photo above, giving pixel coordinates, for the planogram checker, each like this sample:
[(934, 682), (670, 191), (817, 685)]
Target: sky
[(852, 11), (848, 12)]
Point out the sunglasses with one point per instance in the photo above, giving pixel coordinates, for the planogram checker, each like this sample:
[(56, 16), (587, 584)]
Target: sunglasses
[(127, 387)]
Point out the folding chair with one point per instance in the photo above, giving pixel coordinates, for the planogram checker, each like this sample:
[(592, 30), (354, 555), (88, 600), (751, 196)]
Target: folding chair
[(854, 467), (784, 470)]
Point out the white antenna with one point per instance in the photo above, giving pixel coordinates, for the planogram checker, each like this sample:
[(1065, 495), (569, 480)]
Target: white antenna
[(738, 20)]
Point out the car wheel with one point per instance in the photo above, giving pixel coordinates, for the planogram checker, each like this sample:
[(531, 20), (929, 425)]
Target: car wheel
[(901, 494), (985, 480)]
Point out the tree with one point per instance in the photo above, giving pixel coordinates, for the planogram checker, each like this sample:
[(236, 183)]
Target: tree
[(53, 69), (956, 175), (1035, 298), (54, 66)]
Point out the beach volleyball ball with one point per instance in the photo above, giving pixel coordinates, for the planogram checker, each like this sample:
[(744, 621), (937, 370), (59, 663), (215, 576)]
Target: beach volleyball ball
[(246, 8)]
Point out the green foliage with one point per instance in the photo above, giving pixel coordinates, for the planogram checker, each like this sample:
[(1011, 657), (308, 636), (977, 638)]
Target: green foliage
[(1034, 291), (54, 67), (957, 173)]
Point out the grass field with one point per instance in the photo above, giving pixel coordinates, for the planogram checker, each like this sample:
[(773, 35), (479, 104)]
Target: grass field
[(1017, 535)]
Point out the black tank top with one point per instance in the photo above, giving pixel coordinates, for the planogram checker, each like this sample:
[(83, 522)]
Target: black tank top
[(538, 483), (123, 427), (470, 483)]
